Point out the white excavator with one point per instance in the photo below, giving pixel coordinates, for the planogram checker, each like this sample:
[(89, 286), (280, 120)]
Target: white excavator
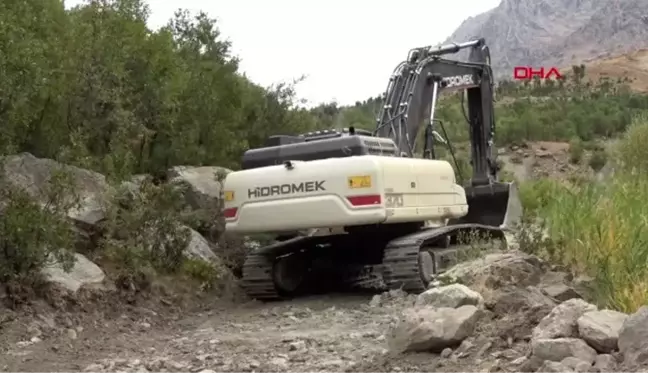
[(349, 205)]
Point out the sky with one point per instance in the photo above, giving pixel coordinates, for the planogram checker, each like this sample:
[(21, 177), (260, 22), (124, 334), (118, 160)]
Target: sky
[(345, 49)]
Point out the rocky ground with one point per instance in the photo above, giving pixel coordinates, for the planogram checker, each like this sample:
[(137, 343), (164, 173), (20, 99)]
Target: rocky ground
[(549, 159), (514, 313)]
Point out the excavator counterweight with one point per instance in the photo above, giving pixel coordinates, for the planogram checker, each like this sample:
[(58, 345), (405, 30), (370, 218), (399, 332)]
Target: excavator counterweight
[(353, 208)]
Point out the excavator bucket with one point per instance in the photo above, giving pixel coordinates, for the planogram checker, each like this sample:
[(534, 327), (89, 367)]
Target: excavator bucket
[(497, 204)]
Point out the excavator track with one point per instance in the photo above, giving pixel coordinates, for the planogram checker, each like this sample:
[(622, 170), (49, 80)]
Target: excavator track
[(404, 257), (401, 267), (264, 279), (258, 282), (409, 263)]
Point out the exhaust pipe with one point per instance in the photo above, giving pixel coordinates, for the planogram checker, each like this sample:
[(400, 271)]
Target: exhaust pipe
[(497, 205)]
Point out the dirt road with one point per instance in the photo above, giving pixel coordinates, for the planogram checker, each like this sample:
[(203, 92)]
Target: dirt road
[(335, 332)]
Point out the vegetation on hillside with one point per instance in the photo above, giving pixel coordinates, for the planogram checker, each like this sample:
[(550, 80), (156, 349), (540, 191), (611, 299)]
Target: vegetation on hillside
[(95, 87), (599, 229), (552, 110)]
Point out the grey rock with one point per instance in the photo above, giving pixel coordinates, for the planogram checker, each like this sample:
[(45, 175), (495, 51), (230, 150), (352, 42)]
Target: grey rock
[(576, 364), (497, 270), (203, 185), (83, 273), (452, 296), (633, 338), (600, 329), (31, 174), (432, 329), (526, 364), (198, 247), (519, 310), (561, 321), (561, 348), (513, 299), (561, 292), (553, 367), (606, 363), (446, 352)]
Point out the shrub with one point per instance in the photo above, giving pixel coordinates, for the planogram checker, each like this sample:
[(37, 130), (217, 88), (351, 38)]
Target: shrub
[(576, 150), (35, 233), (598, 160), (631, 150), (144, 231), (537, 194)]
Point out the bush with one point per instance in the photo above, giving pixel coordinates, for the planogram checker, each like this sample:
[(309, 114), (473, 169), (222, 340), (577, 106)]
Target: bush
[(598, 160), (575, 150), (537, 194), (34, 233), (144, 230), (631, 151)]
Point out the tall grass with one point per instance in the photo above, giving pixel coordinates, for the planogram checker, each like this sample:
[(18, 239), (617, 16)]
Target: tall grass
[(601, 229)]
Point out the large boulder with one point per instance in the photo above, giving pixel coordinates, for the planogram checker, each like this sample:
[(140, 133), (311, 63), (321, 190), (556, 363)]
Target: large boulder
[(432, 329), (83, 273), (31, 174), (633, 338), (203, 184), (497, 270), (561, 348), (600, 329), (519, 310), (199, 248), (561, 321)]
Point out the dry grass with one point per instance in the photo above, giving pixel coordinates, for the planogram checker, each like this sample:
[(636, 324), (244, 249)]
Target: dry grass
[(633, 66)]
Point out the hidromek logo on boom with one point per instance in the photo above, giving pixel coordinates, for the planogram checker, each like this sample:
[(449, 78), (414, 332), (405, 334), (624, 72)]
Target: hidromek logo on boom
[(282, 189)]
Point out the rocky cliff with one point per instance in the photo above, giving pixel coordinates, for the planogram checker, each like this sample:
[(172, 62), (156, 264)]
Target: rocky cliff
[(557, 32)]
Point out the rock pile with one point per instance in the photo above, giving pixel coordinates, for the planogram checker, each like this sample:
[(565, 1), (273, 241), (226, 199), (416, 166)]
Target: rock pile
[(563, 332)]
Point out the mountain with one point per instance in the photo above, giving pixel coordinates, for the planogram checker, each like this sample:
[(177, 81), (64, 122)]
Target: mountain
[(557, 32)]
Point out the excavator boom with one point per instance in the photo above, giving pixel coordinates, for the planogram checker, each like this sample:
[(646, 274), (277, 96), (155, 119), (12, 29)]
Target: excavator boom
[(411, 99)]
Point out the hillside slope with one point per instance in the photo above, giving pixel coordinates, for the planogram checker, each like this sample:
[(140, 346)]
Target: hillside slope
[(633, 65), (557, 32)]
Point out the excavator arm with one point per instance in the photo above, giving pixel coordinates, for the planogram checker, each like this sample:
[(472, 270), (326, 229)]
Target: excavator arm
[(410, 103), (414, 89)]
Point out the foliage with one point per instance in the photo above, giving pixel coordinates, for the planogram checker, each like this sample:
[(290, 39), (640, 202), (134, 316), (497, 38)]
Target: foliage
[(550, 111), (167, 97), (175, 96), (598, 160), (35, 233), (576, 150), (144, 228), (204, 272), (631, 152), (599, 229)]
